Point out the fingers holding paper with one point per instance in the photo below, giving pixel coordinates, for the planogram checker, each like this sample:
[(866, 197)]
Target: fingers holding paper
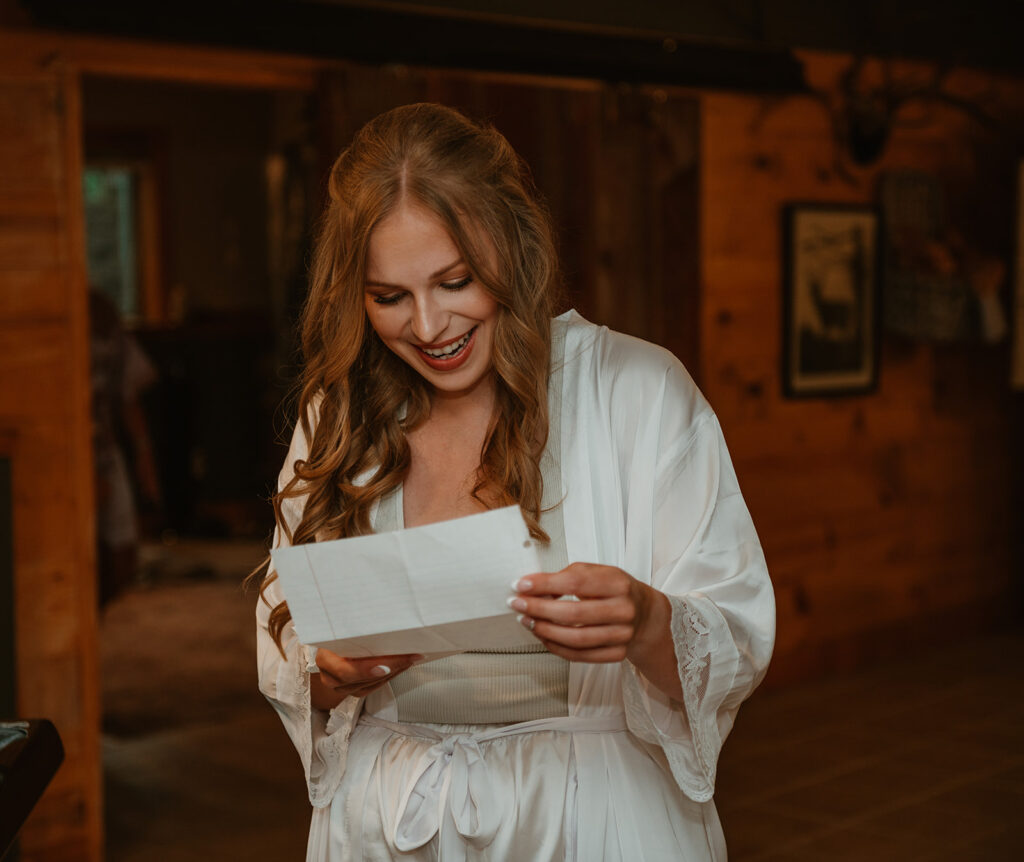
[(615, 617), (342, 677), (609, 616)]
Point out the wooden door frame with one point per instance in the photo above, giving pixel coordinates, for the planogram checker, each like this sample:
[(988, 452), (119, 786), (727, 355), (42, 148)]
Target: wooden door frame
[(35, 54), (36, 50)]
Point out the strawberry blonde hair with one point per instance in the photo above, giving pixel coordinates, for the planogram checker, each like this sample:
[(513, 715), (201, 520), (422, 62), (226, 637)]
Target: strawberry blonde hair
[(357, 400)]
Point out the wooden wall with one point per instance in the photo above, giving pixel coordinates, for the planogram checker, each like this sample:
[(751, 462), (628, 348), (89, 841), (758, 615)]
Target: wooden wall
[(44, 412), (886, 518), (45, 424)]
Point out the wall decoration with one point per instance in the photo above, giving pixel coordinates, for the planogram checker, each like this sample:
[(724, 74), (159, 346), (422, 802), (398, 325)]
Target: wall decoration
[(927, 294), (830, 319)]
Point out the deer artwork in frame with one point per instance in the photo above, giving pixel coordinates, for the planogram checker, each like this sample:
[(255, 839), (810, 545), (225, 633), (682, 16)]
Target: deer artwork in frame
[(830, 299)]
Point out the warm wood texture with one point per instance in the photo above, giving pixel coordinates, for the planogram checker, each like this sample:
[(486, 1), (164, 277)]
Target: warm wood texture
[(95, 55), (44, 406), (44, 386), (886, 518)]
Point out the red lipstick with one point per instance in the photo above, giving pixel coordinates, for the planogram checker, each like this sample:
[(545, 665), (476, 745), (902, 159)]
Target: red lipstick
[(455, 360)]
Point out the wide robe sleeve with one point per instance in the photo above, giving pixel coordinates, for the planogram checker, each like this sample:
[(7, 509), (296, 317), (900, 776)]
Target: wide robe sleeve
[(321, 739), (700, 549)]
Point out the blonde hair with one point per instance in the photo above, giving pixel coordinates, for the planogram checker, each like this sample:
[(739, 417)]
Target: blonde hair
[(469, 177)]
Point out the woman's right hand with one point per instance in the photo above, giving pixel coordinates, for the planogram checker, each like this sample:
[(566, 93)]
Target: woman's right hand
[(342, 677)]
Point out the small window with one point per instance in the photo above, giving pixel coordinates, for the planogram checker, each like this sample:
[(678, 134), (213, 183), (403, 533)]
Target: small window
[(120, 225)]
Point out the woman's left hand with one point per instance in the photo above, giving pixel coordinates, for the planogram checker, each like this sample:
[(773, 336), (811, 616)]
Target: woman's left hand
[(611, 615), (616, 617)]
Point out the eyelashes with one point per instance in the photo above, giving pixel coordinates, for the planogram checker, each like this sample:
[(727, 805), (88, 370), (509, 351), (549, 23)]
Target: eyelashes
[(465, 281), (395, 298)]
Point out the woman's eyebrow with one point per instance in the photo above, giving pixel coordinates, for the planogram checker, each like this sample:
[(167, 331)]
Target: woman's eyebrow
[(445, 269), (371, 283)]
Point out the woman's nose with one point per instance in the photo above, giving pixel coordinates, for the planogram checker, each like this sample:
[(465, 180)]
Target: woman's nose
[(429, 320)]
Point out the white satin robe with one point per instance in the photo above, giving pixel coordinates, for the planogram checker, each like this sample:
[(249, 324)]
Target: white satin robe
[(629, 775)]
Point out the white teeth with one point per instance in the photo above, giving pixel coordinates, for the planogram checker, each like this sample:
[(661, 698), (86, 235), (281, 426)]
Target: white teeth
[(449, 350)]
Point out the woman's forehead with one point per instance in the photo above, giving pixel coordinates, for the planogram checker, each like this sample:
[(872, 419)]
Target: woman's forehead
[(412, 225)]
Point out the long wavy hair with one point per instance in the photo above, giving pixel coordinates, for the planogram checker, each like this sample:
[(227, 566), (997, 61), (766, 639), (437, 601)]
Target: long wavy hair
[(357, 400)]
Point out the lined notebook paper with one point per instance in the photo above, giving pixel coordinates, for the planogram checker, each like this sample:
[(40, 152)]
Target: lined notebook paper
[(440, 588)]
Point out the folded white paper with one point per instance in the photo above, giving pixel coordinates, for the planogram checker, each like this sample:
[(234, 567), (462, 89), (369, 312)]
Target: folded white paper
[(440, 588)]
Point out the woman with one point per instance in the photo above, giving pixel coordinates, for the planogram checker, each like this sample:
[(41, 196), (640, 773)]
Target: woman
[(436, 385), (122, 447)]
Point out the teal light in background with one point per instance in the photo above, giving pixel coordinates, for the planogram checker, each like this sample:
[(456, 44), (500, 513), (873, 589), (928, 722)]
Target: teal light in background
[(111, 227)]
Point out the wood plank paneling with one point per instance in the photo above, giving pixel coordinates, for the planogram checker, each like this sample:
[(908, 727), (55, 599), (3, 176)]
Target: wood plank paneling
[(44, 407), (30, 243), (878, 513), (28, 52), (34, 353), (35, 294)]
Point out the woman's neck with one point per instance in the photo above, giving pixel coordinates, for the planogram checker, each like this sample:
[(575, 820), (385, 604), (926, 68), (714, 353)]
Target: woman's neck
[(464, 407), (445, 454)]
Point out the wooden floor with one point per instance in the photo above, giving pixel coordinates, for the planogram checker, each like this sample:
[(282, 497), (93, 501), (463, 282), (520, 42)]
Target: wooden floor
[(919, 759)]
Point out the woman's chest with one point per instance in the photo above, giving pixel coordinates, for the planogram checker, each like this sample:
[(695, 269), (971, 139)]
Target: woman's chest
[(440, 482)]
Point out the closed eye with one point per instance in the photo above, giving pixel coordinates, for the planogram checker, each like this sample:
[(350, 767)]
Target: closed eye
[(458, 284), (391, 299)]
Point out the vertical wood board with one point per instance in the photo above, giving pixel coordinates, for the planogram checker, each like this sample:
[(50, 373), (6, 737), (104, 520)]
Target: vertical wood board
[(44, 407), (872, 509)]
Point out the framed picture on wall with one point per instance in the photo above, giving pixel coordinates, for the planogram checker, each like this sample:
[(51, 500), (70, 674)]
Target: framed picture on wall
[(830, 299)]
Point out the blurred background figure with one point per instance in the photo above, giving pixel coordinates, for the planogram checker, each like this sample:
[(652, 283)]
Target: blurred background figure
[(124, 462)]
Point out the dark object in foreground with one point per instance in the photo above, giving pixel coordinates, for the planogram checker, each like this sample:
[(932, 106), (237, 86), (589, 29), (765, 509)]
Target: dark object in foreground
[(30, 754)]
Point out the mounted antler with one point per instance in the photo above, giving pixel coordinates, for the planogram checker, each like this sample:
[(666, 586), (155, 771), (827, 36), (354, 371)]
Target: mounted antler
[(864, 115)]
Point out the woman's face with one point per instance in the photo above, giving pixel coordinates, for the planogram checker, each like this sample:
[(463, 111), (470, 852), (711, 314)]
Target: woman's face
[(426, 306)]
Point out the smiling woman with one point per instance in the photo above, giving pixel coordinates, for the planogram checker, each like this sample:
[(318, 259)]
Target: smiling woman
[(425, 304), (437, 385)]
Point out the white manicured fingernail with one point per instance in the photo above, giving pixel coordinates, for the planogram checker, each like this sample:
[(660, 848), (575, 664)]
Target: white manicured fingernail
[(520, 584), (380, 670), (524, 620), (516, 603)]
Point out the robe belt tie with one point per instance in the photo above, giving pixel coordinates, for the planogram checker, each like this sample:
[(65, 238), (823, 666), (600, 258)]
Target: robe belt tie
[(455, 774)]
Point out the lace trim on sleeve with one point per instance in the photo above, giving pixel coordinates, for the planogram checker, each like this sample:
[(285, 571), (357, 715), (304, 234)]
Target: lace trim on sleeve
[(332, 750), (695, 644), (321, 739), (688, 733)]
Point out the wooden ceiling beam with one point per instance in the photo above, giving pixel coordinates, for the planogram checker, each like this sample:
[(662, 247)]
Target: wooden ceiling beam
[(33, 51)]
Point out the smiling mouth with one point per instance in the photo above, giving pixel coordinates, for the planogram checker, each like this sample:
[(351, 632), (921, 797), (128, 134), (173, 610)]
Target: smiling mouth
[(450, 350)]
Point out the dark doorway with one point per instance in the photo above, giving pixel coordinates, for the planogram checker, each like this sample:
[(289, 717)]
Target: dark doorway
[(197, 215)]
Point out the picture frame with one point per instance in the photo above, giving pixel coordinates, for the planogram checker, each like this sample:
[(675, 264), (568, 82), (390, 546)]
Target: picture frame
[(831, 302)]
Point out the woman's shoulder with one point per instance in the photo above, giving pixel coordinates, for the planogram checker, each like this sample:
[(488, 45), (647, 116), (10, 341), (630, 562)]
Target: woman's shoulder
[(629, 370), (586, 341)]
